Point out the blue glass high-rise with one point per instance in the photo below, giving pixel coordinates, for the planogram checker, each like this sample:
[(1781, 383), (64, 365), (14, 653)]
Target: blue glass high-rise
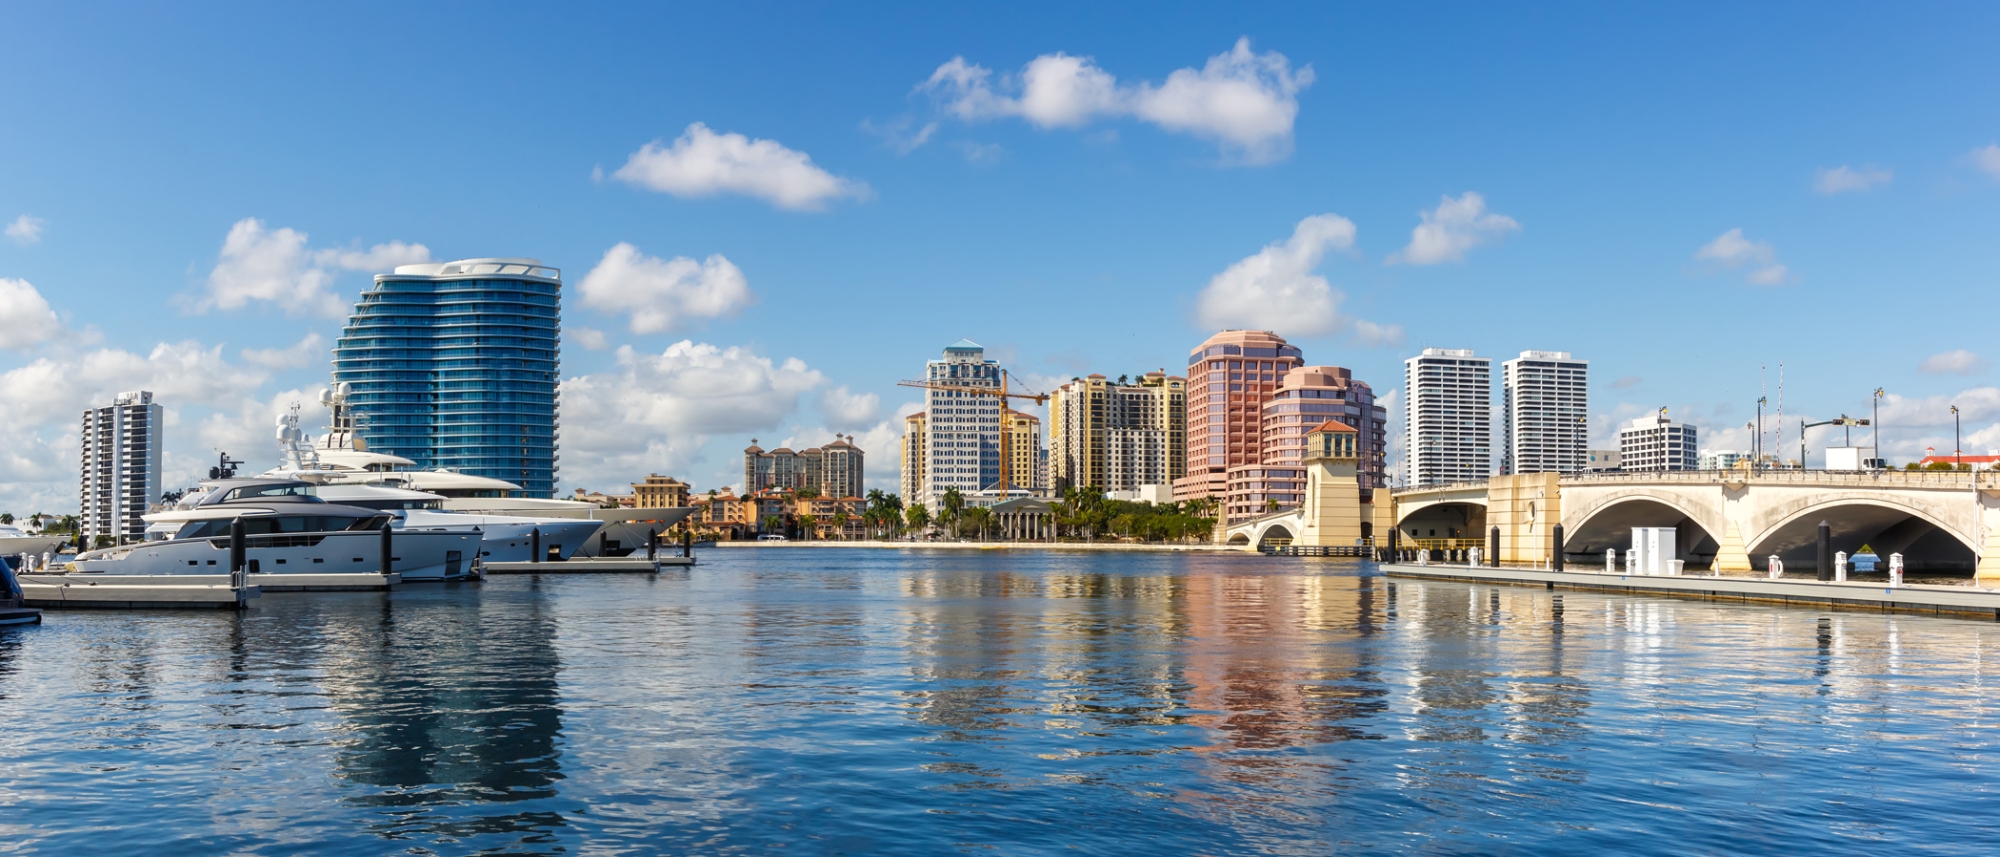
[(453, 365)]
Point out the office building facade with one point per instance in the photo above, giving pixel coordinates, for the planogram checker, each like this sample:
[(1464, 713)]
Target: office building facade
[(1722, 459), (120, 466), (1545, 412), (1118, 437), (453, 365), (1230, 377), (1447, 417), (962, 426), (1654, 443), (1311, 395)]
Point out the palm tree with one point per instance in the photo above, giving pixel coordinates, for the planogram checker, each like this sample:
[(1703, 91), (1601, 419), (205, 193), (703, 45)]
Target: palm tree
[(839, 521), (980, 518), (806, 524), (954, 505), (1271, 505), (773, 523), (919, 517)]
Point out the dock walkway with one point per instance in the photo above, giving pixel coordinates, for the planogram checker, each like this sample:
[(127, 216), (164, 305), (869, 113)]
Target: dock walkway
[(592, 565), (1915, 598)]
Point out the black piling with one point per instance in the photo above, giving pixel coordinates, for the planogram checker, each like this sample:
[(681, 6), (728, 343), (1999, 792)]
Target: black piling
[(1825, 551), (238, 546), (652, 545), (687, 543), (535, 545), (1493, 548), (388, 548), (1556, 556)]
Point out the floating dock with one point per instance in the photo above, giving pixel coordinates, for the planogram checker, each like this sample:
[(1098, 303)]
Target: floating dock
[(592, 565), (135, 591), (1966, 600)]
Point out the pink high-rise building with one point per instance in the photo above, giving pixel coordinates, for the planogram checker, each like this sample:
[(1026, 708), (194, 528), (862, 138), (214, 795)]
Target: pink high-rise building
[(1230, 377)]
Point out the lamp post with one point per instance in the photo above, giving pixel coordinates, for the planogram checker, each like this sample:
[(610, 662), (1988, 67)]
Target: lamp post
[(1958, 458), (1757, 448), (1875, 432)]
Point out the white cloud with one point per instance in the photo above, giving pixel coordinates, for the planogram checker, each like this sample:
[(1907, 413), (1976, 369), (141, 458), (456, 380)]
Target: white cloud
[(1377, 335), (25, 316), (276, 266), (1959, 362), (704, 163), (1452, 228), (880, 444), (1987, 159), (1731, 250), (307, 350), (846, 410), (1245, 101), (658, 410), (1845, 179), (590, 338), (897, 133), (26, 230), (1276, 289), (664, 294)]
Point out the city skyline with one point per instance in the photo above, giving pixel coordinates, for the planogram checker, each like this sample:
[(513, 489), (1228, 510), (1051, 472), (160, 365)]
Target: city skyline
[(198, 234)]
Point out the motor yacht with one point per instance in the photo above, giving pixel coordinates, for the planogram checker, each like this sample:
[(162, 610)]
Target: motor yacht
[(288, 530), (14, 540)]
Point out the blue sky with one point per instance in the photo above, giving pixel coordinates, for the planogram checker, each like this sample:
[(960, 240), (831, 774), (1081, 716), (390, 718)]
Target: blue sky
[(1086, 177)]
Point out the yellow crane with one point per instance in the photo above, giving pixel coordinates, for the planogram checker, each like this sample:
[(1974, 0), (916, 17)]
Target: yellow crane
[(1006, 429)]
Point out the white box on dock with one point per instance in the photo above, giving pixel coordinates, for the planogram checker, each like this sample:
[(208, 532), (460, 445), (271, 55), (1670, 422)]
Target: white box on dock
[(1652, 548)]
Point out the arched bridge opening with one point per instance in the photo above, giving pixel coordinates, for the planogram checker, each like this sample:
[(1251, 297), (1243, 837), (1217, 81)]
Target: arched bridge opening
[(1882, 527), (1444, 521), (1610, 528), (1274, 537)]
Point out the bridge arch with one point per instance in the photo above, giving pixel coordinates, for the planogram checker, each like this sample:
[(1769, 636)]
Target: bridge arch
[(1607, 525), (1275, 534), (1883, 522), (1455, 518)]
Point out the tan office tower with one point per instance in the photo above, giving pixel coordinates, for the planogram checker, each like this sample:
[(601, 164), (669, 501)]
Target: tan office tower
[(1230, 377), (915, 450), (1118, 437), (1028, 470)]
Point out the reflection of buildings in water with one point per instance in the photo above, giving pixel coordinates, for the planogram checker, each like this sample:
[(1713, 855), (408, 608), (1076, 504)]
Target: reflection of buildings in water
[(962, 631), (452, 704)]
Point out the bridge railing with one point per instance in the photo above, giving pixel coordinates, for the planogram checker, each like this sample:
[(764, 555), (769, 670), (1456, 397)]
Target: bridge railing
[(1872, 478)]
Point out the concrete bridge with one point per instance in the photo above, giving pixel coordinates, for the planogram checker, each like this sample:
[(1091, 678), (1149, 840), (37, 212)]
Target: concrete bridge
[(1730, 520)]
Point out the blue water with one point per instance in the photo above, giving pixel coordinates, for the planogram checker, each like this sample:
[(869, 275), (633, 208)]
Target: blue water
[(871, 702)]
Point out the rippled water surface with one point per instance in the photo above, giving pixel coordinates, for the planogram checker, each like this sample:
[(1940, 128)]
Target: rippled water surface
[(874, 702)]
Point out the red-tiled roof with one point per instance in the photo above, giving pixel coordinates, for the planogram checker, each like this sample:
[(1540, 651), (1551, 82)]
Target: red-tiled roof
[(1332, 425), (1953, 459)]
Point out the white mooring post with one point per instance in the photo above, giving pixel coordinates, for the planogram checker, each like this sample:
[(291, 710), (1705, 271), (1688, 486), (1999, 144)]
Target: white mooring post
[(1472, 557), (1674, 567), (1840, 566), (1610, 560), (1777, 567), (1631, 561), (1895, 570)]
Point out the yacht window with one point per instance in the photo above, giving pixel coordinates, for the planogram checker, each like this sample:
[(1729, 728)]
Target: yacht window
[(268, 491)]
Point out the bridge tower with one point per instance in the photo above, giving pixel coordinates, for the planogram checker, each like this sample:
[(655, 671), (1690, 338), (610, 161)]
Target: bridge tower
[(1334, 514)]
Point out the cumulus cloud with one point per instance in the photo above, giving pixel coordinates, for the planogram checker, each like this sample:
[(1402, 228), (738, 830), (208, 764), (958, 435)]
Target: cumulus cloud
[(1959, 362), (590, 338), (1626, 382), (703, 163), (304, 353), (1452, 228), (846, 410), (25, 316), (1276, 289), (259, 264), (1731, 250), (1378, 335), (26, 230), (1846, 179), (657, 411), (1245, 101), (664, 294), (1987, 159)]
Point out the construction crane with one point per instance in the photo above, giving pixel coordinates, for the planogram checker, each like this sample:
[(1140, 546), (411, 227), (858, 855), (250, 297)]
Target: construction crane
[(1006, 430)]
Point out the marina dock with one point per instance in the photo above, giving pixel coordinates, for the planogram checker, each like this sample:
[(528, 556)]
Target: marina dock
[(135, 592), (1965, 601), (592, 565)]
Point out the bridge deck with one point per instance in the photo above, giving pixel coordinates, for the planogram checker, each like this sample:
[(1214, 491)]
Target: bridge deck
[(1936, 600)]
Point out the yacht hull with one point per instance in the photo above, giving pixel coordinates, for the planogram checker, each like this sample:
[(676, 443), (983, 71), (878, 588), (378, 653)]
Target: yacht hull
[(512, 539), (418, 555)]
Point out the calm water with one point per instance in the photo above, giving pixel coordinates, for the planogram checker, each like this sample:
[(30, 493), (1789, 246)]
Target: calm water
[(869, 702)]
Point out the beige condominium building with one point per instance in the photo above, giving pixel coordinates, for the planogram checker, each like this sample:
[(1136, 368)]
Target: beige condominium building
[(833, 470), (914, 449), (1029, 467), (1116, 436), (1230, 377), (659, 492)]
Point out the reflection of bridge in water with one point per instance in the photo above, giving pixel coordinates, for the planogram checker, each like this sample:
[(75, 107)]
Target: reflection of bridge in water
[(1726, 520)]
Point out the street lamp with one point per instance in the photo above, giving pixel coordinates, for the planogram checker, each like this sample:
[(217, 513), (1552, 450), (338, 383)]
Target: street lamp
[(1757, 447), (1876, 433), (1958, 458)]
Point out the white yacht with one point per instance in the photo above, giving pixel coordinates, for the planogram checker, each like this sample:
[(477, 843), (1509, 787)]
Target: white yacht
[(14, 540), (288, 530), (508, 538)]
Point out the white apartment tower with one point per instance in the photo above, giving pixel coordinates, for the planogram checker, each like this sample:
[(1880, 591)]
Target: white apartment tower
[(120, 466), (1447, 417), (1653, 442), (1546, 411), (961, 428)]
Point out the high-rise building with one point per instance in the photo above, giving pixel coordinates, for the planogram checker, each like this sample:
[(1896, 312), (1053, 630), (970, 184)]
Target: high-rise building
[(120, 466), (1447, 417), (915, 450), (962, 430), (1654, 442), (453, 365), (1546, 413), (1722, 459), (1230, 376), (1030, 463), (1118, 437), (835, 470), (1309, 396)]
